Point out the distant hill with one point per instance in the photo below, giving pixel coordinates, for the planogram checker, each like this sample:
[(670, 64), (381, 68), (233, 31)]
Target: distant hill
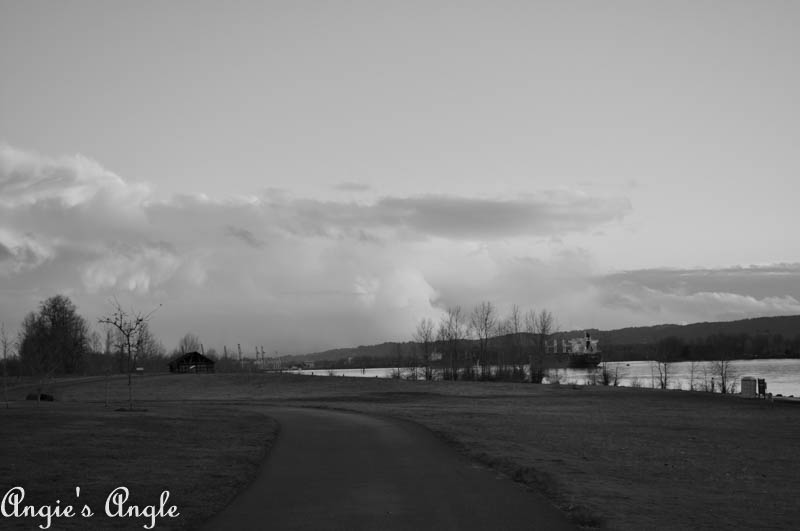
[(787, 326), (383, 350)]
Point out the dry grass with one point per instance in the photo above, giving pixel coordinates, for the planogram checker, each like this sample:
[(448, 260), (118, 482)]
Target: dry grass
[(634, 460), (202, 456), (610, 457)]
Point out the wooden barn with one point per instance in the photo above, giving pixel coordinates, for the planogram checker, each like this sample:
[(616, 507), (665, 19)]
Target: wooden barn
[(191, 362)]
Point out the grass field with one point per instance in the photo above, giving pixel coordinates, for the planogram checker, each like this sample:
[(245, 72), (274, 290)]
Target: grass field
[(614, 458), (201, 455)]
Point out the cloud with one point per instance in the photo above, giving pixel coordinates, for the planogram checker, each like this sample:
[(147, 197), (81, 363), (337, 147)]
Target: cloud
[(692, 295), (131, 268), (758, 280), (244, 235), (28, 179), (19, 252), (350, 186), (299, 274), (549, 214)]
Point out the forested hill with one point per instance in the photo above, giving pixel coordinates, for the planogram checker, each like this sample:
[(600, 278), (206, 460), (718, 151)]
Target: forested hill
[(786, 326), (383, 350)]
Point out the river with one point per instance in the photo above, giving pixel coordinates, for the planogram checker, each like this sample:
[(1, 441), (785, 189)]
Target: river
[(782, 375)]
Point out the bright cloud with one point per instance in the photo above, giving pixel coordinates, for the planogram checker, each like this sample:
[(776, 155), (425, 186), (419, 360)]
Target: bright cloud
[(126, 268), (691, 295), (28, 179), (299, 274), (20, 251)]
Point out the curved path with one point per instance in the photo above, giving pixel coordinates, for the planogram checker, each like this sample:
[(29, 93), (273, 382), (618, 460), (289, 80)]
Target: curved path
[(332, 470)]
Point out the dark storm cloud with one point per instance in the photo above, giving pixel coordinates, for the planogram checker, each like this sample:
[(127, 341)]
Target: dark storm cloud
[(453, 217), (5, 253), (244, 235), (466, 218), (351, 186)]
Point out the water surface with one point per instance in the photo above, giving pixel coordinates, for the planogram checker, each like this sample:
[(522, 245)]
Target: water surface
[(782, 375)]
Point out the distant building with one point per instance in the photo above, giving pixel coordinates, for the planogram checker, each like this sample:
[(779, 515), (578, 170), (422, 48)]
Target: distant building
[(191, 362)]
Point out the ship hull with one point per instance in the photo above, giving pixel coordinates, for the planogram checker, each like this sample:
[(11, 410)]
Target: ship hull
[(583, 361), (569, 361)]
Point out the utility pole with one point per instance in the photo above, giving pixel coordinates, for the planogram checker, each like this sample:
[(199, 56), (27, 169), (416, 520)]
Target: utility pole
[(239, 346)]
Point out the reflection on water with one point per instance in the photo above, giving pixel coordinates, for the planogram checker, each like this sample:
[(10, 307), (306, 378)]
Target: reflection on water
[(782, 375)]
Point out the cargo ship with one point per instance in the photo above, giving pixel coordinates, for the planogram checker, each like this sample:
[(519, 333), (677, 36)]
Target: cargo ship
[(576, 353)]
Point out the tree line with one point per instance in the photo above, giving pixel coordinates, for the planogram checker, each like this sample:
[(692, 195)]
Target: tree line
[(711, 347), (56, 340), (482, 344)]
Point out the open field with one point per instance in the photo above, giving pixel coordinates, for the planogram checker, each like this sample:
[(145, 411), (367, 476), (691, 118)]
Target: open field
[(201, 455), (610, 457)]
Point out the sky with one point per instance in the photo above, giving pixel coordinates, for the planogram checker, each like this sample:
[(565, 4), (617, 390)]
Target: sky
[(309, 175)]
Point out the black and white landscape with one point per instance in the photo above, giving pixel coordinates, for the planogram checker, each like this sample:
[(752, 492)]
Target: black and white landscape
[(280, 178)]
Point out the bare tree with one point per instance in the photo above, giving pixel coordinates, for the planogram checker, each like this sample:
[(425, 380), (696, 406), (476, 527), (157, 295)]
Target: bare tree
[(723, 370), (108, 344), (692, 374), (402, 361), (543, 324), (512, 325), (95, 342), (667, 351), (151, 347), (6, 345), (131, 326), (452, 331), (514, 320), (483, 322), (189, 343), (424, 335), (725, 349), (530, 321)]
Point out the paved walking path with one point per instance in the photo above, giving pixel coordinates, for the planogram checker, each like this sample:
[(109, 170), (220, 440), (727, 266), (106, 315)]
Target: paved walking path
[(332, 470)]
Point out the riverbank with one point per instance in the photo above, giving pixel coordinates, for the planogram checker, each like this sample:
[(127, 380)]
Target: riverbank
[(618, 458), (781, 375)]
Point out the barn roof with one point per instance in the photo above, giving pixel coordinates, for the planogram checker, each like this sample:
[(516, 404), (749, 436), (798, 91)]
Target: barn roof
[(193, 358)]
